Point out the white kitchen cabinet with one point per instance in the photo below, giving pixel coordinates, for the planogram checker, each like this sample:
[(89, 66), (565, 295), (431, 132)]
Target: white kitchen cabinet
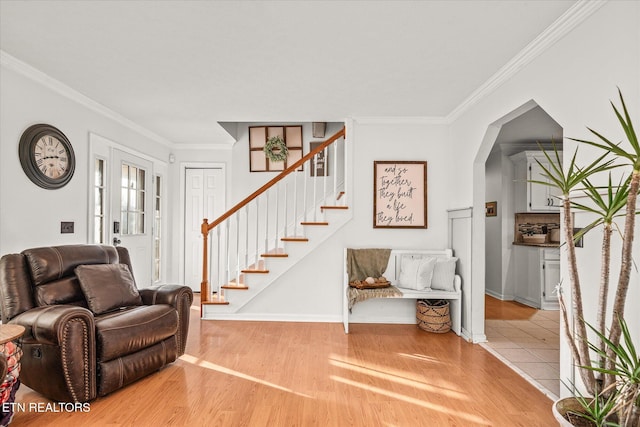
[(537, 272), (550, 277), (530, 196)]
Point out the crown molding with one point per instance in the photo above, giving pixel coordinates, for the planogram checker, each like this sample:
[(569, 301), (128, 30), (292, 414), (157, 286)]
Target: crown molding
[(57, 86), (214, 146), (400, 120), (562, 26)]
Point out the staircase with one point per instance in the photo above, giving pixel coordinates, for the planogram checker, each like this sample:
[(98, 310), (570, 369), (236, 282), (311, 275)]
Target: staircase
[(257, 241)]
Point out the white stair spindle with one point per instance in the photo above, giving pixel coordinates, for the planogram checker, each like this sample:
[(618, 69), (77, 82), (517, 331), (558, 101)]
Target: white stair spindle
[(295, 204), (218, 262), (335, 172), (344, 167), (325, 169), (210, 266), (315, 182), (238, 248), (286, 210), (257, 228), (266, 221), (226, 253), (275, 238), (246, 236), (304, 195)]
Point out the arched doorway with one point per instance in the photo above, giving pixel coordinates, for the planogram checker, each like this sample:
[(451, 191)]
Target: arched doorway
[(523, 337)]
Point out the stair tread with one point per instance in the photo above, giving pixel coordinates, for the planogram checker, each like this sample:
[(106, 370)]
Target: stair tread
[(260, 271), (314, 223), (295, 239), (239, 286), (342, 207), (275, 253)]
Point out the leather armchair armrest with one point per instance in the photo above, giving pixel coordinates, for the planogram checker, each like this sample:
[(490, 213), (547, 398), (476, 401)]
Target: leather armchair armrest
[(179, 297), (59, 352), (49, 324), (166, 294)]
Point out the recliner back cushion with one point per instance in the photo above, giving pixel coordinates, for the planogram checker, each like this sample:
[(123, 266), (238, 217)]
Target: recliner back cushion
[(52, 271), (107, 287)]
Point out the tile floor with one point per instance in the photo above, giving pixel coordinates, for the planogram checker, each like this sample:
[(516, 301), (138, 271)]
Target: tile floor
[(530, 347)]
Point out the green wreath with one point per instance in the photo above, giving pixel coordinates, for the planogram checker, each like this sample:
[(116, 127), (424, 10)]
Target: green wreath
[(275, 149)]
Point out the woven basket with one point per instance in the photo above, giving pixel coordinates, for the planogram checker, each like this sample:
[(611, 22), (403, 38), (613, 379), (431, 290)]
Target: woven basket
[(433, 316)]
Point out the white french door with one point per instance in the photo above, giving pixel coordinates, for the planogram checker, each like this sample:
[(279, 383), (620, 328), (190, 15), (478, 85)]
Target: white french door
[(204, 198), (132, 197)]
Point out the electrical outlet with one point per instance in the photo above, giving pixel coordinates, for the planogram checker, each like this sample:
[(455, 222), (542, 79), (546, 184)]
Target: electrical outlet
[(66, 227)]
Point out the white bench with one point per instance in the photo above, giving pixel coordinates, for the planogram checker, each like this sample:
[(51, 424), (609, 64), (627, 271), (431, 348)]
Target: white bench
[(393, 272)]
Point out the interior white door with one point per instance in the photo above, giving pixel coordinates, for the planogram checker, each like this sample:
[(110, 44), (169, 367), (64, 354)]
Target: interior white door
[(131, 212), (204, 198)]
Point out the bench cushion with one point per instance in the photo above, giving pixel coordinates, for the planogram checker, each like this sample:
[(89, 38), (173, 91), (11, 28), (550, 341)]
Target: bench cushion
[(444, 275), (416, 272)]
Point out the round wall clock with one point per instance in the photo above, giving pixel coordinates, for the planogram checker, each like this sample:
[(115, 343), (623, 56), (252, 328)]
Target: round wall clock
[(46, 156)]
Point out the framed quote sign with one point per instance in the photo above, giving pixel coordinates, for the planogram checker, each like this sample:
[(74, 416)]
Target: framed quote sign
[(399, 194)]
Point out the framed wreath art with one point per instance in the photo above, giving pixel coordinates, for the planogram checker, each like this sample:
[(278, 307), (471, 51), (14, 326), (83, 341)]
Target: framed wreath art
[(275, 149)]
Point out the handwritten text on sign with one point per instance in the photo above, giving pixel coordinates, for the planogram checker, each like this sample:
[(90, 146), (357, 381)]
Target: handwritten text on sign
[(400, 196)]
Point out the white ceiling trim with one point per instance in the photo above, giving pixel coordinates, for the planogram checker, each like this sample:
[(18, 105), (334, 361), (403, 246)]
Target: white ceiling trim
[(400, 120), (218, 146), (38, 76), (561, 27)]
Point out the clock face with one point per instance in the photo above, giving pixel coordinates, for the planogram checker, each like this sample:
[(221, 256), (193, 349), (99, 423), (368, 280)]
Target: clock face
[(46, 156), (52, 157)]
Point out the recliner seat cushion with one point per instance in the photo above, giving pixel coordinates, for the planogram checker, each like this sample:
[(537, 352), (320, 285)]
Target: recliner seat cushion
[(129, 330)]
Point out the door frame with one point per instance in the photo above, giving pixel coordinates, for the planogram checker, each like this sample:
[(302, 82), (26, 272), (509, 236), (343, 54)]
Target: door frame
[(101, 147), (183, 171)]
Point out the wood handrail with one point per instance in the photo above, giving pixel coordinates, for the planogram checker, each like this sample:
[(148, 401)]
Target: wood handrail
[(272, 182)]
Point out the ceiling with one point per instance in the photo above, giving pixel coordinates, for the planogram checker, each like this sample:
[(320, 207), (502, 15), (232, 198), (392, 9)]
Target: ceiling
[(177, 68)]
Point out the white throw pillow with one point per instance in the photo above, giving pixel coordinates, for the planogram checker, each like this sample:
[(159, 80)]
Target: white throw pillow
[(444, 274), (416, 273)]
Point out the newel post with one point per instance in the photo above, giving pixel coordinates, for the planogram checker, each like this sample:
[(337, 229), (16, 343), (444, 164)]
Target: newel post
[(204, 285)]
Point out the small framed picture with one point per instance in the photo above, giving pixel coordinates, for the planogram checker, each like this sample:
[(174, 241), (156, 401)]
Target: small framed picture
[(491, 209), (320, 164)]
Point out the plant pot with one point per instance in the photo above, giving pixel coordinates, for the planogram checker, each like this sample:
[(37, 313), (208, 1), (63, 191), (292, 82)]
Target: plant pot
[(562, 406)]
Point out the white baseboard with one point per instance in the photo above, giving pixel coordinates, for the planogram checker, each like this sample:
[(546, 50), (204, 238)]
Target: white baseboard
[(501, 297), (275, 317)]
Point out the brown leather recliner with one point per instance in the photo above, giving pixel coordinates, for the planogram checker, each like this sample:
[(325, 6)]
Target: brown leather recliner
[(88, 337)]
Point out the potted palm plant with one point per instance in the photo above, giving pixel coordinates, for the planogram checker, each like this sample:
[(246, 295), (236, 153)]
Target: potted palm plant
[(612, 396)]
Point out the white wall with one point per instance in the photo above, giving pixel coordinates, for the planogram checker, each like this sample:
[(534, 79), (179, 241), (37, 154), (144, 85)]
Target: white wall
[(493, 226), (29, 215), (573, 81)]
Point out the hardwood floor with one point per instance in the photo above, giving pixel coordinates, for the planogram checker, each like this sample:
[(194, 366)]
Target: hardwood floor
[(494, 309), (312, 374)]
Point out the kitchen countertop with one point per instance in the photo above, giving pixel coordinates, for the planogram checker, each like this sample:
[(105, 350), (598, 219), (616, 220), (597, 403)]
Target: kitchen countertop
[(539, 245)]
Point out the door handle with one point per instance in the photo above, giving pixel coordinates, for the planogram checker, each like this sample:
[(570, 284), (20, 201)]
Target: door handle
[(116, 241)]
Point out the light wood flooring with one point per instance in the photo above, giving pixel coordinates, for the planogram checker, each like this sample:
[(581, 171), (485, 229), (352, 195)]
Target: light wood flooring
[(312, 374), (527, 340)]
